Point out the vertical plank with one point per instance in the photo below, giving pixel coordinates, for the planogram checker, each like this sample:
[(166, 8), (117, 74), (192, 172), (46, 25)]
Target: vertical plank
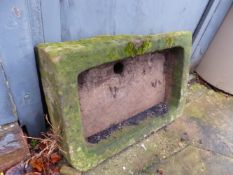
[(7, 114), (35, 21), (19, 63), (51, 20), (81, 18)]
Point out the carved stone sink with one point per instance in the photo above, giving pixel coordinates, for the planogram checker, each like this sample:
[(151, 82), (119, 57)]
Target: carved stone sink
[(107, 92)]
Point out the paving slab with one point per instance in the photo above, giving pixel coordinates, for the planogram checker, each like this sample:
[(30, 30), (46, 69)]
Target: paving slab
[(192, 161)]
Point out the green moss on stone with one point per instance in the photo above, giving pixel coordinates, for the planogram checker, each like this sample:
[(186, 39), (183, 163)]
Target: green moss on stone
[(169, 41), (137, 48)]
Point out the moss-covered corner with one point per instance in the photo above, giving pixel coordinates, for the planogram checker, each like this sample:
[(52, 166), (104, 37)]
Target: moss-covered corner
[(60, 65)]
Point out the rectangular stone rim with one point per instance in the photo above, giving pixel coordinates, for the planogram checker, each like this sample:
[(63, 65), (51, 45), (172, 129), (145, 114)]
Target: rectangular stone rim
[(80, 154)]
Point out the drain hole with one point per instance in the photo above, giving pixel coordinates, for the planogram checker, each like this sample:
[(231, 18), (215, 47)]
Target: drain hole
[(118, 68)]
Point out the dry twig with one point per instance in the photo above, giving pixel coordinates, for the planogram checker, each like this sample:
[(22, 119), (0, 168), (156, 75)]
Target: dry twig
[(47, 146)]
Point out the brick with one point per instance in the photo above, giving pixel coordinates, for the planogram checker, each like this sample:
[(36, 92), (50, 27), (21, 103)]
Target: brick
[(13, 146)]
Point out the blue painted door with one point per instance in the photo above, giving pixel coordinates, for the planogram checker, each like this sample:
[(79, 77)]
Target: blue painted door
[(25, 23), (18, 64), (80, 18)]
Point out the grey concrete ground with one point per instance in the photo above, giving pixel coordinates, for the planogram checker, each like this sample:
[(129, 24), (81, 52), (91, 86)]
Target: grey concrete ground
[(200, 142)]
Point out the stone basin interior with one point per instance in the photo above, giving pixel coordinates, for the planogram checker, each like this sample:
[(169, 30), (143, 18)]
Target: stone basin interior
[(125, 92)]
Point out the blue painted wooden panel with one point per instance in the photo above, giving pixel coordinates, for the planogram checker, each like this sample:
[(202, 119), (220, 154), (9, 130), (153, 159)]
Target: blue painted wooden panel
[(7, 108), (81, 18), (25, 23), (17, 54), (35, 21), (51, 20)]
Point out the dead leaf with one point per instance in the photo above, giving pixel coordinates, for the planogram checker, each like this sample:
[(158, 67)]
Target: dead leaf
[(54, 158), (37, 164)]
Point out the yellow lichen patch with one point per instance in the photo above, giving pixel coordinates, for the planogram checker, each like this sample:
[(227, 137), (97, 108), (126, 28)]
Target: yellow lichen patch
[(56, 59)]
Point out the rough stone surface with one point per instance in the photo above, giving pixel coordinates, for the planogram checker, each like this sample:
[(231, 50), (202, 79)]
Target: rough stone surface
[(200, 142), (13, 146), (60, 65), (108, 97)]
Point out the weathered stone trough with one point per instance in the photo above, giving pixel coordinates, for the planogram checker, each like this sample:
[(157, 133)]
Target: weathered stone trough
[(107, 92)]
